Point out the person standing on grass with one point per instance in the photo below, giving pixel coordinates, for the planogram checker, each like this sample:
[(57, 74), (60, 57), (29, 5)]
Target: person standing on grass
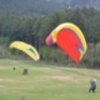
[(25, 71), (93, 86)]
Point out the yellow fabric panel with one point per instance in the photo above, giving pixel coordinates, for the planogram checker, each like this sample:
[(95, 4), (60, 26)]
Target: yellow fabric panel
[(26, 48)]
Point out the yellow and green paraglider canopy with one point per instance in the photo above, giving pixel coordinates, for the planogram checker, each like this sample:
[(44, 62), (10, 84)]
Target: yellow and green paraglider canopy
[(26, 48)]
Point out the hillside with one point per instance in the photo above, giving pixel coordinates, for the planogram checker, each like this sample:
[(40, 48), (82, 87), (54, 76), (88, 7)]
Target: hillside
[(45, 82), (78, 3), (43, 6), (27, 7)]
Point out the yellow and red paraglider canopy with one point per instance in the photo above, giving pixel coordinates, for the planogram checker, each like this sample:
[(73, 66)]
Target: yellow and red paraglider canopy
[(69, 38)]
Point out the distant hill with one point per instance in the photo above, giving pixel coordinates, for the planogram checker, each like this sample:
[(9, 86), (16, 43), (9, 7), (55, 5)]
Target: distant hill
[(78, 3), (27, 6), (43, 6)]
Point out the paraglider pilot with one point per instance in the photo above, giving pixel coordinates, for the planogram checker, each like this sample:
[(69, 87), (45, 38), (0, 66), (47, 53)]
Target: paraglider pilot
[(93, 86), (25, 71), (14, 68)]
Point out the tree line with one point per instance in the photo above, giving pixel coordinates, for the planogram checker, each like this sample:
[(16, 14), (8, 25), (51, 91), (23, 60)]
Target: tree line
[(33, 29), (28, 7), (44, 7)]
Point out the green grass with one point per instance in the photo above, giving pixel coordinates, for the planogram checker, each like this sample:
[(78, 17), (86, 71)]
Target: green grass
[(45, 82)]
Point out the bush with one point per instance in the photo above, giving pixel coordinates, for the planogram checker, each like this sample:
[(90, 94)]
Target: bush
[(45, 53), (54, 55)]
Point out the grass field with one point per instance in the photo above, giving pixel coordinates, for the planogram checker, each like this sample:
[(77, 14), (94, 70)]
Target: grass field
[(45, 82)]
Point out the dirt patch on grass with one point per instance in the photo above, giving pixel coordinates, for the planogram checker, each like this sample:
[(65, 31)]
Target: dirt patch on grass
[(7, 80), (74, 78), (62, 77), (2, 86), (4, 67)]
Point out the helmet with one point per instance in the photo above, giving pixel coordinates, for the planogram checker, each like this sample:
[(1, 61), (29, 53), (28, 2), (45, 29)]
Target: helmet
[(94, 80)]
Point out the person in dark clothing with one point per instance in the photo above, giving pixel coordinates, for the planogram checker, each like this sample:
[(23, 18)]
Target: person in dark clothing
[(25, 71), (14, 68), (93, 85)]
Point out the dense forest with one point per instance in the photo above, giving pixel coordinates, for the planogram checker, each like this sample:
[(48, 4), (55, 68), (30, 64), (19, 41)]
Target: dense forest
[(44, 7), (33, 29), (28, 7), (78, 3)]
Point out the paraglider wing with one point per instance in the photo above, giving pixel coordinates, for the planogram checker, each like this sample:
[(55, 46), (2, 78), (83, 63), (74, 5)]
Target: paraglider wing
[(70, 39), (26, 48)]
